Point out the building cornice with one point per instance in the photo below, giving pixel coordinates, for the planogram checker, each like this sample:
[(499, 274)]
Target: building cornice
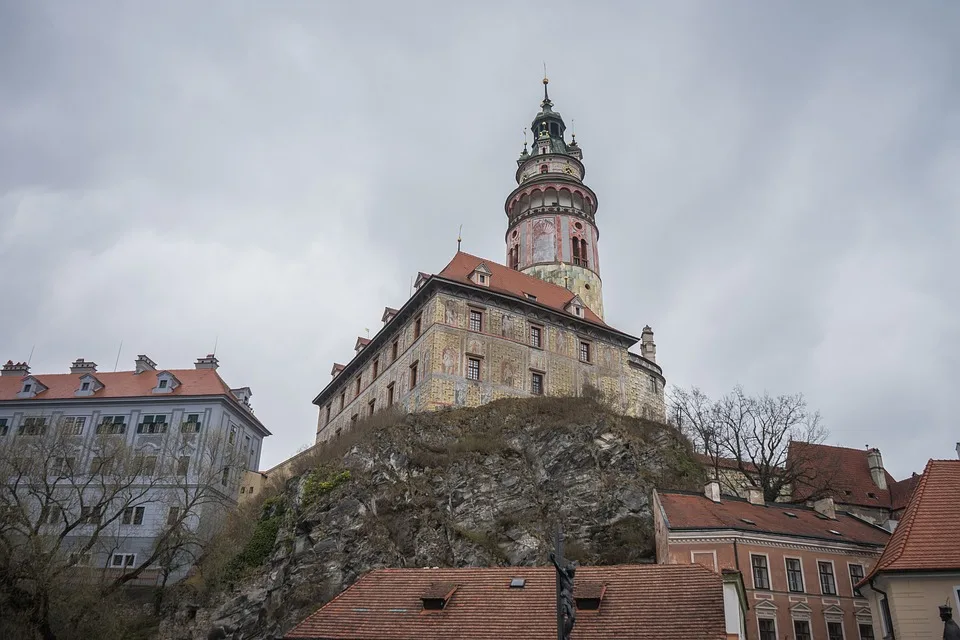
[(780, 540)]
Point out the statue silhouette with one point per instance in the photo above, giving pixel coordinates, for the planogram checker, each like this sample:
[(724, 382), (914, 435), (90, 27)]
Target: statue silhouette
[(568, 609), (950, 629)]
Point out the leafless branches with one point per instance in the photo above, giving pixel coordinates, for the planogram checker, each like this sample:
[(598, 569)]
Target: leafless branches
[(749, 435)]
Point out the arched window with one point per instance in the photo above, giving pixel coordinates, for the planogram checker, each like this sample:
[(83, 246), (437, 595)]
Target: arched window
[(583, 253), (575, 246)]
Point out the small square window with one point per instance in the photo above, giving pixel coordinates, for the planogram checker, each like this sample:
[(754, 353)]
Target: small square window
[(536, 384), (473, 369), (163, 384), (536, 337), (584, 352), (476, 320), (483, 279), (85, 386), (27, 388)]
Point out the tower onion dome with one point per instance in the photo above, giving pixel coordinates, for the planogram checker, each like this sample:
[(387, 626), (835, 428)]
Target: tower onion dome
[(549, 125)]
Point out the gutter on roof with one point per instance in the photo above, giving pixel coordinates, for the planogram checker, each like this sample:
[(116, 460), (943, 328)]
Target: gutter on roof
[(844, 538)]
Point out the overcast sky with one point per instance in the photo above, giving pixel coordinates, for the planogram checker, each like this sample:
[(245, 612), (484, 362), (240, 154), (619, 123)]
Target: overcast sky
[(779, 187)]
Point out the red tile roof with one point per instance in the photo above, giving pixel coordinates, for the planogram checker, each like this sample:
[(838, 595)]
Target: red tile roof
[(926, 538), (119, 384), (511, 282), (694, 511), (653, 602), (901, 490), (846, 472)]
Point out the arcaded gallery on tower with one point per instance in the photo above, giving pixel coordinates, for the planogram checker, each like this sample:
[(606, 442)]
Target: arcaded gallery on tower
[(479, 330)]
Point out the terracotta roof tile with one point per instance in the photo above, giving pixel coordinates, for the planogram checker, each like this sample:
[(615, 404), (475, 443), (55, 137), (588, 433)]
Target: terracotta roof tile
[(511, 282), (120, 384), (692, 511), (926, 538), (845, 471), (653, 602), (901, 490)]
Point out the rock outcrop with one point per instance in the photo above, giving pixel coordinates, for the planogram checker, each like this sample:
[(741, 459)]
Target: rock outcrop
[(466, 487)]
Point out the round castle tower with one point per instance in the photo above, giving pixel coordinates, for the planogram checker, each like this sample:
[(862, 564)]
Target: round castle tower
[(552, 232)]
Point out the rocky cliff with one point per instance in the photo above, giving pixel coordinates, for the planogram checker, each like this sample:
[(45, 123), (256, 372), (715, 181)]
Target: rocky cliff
[(465, 487)]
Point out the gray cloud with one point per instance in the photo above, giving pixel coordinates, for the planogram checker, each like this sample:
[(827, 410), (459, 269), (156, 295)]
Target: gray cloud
[(777, 186)]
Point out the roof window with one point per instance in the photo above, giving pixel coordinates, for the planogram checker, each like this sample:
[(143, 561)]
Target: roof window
[(517, 583), (835, 532), (871, 494), (790, 514), (437, 595), (748, 521), (589, 595)]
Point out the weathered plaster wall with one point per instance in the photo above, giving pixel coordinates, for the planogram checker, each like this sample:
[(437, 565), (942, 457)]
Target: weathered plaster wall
[(507, 361)]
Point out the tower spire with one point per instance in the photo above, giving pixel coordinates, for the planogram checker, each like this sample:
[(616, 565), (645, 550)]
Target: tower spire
[(546, 98)]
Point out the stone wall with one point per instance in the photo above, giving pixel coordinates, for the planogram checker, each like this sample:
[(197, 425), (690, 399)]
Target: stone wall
[(507, 362)]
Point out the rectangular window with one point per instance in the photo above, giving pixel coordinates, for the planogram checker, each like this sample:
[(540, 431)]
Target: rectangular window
[(536, 384), (327, 419), (33, 427), (801, 630), (173, 515), (413, 374), (835, 630), (191, 424), (90, 515), (4, 426), (761, 575), (96, 465), (473, 369), (225, 476), (768, 629), (112, 425), (133, 515), (794, 575), (123, 560), (376, 368), (357, 387), (354, 418), (476, 320), (233, 435), (390, 395), (50, 514), (866, 631), (85, 386), (153, 424), (145, 465), (584, 351), (372, 405), (536, 337), (63, 467), (856, 575), (343, 397), (162, 384), (395, 350), (885, 616), (828, 585), (183, 465), (416, 327), (73, 425)]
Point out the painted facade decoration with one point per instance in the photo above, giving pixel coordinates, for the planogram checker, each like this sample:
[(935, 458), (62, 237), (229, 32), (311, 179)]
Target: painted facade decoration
[(479, 331)]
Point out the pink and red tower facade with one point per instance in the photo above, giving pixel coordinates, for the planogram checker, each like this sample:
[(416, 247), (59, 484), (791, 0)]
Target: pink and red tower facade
[(552, 232)]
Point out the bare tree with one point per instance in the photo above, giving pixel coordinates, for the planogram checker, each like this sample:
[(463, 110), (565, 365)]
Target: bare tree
[(67, 502), (749, 435)]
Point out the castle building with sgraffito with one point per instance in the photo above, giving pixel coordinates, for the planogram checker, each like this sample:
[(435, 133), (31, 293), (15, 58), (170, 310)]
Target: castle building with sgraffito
[(479, 330)]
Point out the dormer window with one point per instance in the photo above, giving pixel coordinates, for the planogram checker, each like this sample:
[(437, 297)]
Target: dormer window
[(481, 275), (88, 386), (85, 386), (27, 387), (166, 382), (30, 388), (575, 307)]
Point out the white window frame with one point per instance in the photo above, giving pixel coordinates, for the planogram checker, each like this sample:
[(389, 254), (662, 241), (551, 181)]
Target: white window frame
[(869, 624), (133, 516), (836, 584), (69, 425), (123, 564), (776, 627), (712, 552), (753, 578), (826, 623), (853, 586), (793, 626), (803, 575), (956, 595)]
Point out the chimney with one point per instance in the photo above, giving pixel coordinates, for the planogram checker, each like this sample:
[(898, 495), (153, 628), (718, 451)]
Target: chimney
[(19, 369), (209, 362), (876, 468), (648, 348), (825, 507), (755, 496), (82, 366), (958, 449), (712, 490), (143, 363)]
